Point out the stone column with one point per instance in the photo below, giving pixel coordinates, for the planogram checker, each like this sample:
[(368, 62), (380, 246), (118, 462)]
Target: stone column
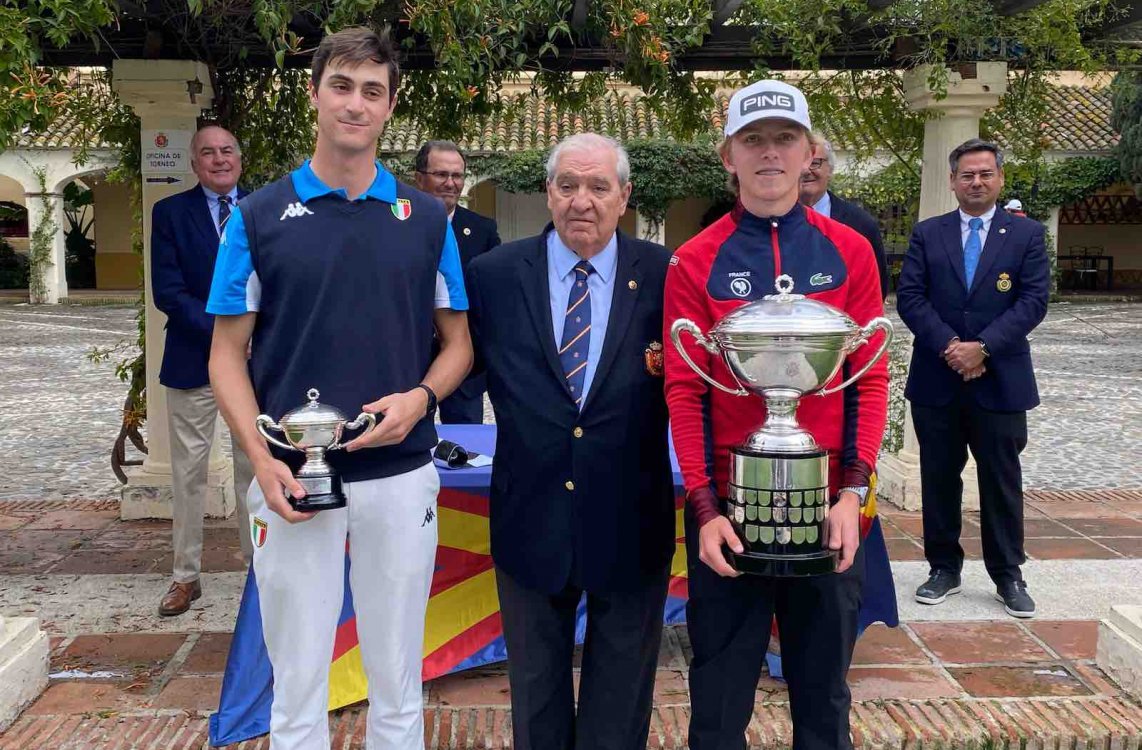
[(23, 665), (168, 96), (50, 206), (971, 91), (1052, 225)]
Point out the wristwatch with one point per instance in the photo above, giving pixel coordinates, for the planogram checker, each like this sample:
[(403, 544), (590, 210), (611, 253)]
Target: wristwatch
[(983, 348), (431, 410), (860, 492)]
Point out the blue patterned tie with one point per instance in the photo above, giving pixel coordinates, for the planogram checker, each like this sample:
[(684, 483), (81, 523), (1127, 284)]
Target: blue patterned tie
[(577, 332), (972, 249), (223, 213)]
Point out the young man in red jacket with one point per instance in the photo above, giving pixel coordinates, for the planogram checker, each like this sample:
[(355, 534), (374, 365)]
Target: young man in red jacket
[(733, 262)]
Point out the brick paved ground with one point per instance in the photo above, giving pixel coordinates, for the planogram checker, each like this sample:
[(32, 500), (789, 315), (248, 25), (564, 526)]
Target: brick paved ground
[(929, 680)]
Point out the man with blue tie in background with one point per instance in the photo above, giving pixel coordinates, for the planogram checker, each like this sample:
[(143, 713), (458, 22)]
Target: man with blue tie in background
[(568, 326), (184, 243), (975, 283)]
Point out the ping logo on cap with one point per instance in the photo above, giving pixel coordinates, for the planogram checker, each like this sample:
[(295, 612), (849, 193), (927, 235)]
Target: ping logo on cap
[(767, 100)]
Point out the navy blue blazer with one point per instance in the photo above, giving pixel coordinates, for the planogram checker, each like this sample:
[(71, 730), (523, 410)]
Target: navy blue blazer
[(475, 235), (184, 245), (1007, 299), (582, 498), (852, 215)]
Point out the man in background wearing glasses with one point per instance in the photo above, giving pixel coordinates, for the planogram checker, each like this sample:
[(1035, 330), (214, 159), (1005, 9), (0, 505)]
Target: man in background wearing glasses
[(975, 283), (440, 171), (816, 195)]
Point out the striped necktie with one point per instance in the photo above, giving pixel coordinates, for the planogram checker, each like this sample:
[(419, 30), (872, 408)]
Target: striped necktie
[(223, 212), (577, 332)]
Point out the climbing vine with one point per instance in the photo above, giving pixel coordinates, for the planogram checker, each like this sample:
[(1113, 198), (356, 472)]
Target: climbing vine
[(41, 241)]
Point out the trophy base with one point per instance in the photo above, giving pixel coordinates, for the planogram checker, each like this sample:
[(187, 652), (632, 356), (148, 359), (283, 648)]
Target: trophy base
[(778, 504), (321, 493), (782, 566)]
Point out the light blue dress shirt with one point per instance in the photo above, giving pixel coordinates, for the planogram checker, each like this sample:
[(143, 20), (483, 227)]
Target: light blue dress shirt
[(561, 262), (824, 206), (212, 203), (964, 228)]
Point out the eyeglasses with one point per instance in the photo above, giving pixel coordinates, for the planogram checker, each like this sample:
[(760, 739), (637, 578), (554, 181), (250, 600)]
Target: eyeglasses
[(445, 176), (968, 178), (817, 164)]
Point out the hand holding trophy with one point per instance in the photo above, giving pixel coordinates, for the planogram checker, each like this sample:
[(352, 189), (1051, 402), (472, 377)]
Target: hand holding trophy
[(314, 429)]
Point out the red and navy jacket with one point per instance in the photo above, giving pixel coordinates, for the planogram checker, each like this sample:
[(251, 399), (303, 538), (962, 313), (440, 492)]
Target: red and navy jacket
[(735, 261)]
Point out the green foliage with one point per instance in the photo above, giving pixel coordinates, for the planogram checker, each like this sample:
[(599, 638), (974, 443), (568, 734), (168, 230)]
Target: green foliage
[(268, 111), (1042, 186), (13, 267), (662, 172), (1126, 118), (478, 45), (79, 247), (30, 96)]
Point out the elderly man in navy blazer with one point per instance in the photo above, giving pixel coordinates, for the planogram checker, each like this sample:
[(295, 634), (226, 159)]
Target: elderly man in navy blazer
[(441, 171), (569, 325), (184, 242), (975, 283)]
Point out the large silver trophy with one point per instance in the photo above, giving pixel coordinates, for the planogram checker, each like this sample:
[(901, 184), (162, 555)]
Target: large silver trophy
[(782, 347), (314, 429)]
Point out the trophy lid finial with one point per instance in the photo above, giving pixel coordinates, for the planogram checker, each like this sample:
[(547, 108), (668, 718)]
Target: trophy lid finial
[(784, 284), (312, 395)]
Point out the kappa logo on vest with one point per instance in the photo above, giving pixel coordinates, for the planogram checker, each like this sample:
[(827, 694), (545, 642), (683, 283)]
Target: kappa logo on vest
[(295, 210)]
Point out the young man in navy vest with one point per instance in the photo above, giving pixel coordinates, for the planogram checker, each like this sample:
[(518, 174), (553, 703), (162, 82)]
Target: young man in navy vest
[(339, 275)]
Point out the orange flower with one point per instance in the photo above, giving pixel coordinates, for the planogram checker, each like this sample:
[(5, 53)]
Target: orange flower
[(641, 17)]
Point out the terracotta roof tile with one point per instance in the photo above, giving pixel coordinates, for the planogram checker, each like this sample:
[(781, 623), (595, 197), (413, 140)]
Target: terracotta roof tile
[(1079, 120)]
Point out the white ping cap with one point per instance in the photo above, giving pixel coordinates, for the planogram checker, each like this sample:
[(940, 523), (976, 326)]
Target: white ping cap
[(1014, 205), (766, 100)]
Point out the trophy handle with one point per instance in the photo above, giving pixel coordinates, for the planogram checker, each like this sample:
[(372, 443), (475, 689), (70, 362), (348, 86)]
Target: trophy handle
[(265, 423), (874, 325), (362, 420), (685, 324)]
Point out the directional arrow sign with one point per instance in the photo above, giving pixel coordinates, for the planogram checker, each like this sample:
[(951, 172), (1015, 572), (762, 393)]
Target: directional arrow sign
[(167, 180)]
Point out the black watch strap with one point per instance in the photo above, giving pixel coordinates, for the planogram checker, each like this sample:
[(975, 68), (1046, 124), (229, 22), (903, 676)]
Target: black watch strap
[(431, 409)]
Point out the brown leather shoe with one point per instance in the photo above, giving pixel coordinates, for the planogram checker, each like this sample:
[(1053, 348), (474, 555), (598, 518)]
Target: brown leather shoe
[(178, 598)]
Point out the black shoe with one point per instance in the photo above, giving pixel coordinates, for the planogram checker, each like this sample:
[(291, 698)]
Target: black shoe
[(940, 585), (1016, 601)]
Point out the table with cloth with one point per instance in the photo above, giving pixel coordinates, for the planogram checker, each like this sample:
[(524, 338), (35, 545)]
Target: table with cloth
[(462, 625)]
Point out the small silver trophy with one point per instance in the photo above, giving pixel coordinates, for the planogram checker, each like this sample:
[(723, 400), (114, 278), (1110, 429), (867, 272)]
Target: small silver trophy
[(314, 429), (782, 347)]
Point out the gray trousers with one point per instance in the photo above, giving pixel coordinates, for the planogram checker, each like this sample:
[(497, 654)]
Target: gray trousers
[(192, 414)]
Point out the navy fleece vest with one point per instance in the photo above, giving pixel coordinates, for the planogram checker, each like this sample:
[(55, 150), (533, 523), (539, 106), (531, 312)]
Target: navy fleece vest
[(347, 306)]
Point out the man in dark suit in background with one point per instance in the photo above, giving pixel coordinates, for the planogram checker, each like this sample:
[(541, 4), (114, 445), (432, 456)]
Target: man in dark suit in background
[(816, 195), (975, 283), (184, 243), (568, 325), (440, 171)]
